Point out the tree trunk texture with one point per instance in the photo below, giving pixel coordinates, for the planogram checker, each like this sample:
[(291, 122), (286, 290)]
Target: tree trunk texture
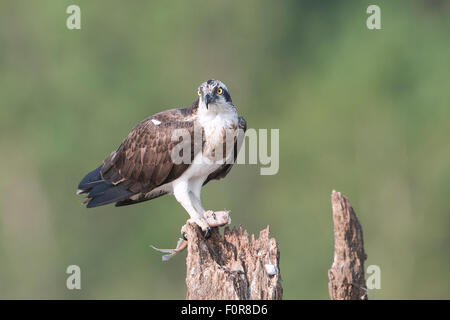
[(346, 276), (232, 267)]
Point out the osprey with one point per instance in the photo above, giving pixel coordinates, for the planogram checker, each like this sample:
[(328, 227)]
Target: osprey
[(146, 165)]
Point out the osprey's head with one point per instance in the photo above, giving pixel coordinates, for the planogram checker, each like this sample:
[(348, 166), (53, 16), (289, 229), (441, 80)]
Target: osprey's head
[(214, 94)]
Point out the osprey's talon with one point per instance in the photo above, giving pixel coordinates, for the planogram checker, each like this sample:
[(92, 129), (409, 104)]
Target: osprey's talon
[(183, 233), (201, 222), (207, 233)]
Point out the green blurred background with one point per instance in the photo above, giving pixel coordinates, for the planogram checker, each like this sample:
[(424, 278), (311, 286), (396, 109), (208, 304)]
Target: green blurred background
[(363, 112)]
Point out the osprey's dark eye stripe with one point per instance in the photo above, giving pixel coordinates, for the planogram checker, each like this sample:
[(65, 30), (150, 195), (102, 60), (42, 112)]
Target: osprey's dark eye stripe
[(226, 95)]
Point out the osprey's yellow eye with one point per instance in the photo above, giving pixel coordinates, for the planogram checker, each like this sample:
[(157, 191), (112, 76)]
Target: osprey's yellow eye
[(199, 93), (219, 91)]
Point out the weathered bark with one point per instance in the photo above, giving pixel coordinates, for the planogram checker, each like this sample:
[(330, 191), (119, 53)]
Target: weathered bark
[(232, 267), (346, 276)]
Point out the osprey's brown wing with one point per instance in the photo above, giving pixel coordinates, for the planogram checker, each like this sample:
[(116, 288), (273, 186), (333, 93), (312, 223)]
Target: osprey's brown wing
[(142, 162), (225, 168)]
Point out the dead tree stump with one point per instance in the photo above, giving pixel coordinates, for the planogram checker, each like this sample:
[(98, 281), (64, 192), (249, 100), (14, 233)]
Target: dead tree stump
[(346, 276), (232, 267)]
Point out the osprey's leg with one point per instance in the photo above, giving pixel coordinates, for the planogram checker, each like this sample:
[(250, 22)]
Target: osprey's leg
[(181, 193), (195, 190), (214, 219)]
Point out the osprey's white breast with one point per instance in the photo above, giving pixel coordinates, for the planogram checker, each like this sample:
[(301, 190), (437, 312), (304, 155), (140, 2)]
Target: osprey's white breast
[(219, 129)]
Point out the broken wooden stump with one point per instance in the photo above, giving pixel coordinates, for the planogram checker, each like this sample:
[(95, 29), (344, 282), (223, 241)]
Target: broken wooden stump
[(232, 266), (346, 276)]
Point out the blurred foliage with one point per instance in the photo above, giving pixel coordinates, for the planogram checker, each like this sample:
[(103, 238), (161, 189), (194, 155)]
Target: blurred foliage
[(363, 112)]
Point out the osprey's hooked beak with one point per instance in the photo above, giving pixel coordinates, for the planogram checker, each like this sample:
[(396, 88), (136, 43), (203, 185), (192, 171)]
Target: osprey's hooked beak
[(209, 99)]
